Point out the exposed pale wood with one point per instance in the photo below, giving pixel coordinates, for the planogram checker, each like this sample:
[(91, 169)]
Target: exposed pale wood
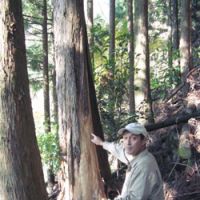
[(80, 177)]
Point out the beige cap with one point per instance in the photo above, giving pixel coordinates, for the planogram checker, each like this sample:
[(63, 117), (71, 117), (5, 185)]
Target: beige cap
[(134, 128)]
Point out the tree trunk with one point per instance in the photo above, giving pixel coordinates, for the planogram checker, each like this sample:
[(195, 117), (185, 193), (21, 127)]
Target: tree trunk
[(111, 94), (170, 59), (54, 97), (21, 170), (80, 177), (112, 34), (90, 27), (195, 32), (101, 153), (175, 31), (131, 57), (47, 124), (185, 38), (142, 69), (54, 94)]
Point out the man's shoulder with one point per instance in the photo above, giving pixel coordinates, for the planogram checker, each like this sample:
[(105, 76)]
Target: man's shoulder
[(147, 159)]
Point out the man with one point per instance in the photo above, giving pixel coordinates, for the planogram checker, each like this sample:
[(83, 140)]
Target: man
[(143, 180)]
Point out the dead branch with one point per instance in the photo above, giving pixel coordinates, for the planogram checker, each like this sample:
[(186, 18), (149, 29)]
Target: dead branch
[(172, 121), (180, 86)]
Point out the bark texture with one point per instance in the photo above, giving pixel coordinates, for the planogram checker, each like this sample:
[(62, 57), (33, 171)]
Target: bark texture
[(80, 172), (112, 33), (47, 123), (185, 38), (142, 70), (21, 176), (175, 25), (131, 57), (90, 27)]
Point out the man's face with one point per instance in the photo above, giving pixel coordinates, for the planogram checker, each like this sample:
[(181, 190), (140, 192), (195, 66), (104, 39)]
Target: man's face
[(133, 144)]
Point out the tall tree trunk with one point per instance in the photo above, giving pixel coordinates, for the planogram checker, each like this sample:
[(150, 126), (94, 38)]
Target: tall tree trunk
[(142, 75), (54, 97), (196, 32), (175, 32), (54, 94), (185, 38), (111, 94), (170, 66), (47, 124), (112, 34), (175, 25), (21, 169), (80, 177), (131, 57), (90, 27)]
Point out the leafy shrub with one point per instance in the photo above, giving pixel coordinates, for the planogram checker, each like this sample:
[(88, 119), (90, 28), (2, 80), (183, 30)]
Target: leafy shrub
[(49, 149)]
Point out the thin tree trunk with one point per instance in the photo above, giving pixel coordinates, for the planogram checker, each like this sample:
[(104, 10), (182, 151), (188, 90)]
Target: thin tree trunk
[(111, 94), (80, 177), (175, 33), (54, 97), (54, 93), (142, 75), (131, 57), (185, 38), (175, 25), (112, 34), (90, 27), (47, 124), (21, 170), (170, 66), (195, 32)]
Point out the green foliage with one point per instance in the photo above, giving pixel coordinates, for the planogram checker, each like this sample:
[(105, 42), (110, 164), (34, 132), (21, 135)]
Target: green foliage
[(184, 152), (34, 62), (164, 76), (49, 149), (108, 81), (120, 9), (34, 57), (33, 19), (111, 84)]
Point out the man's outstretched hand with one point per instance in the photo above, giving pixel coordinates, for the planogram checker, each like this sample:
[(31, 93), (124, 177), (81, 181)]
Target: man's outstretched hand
[(96, 140)]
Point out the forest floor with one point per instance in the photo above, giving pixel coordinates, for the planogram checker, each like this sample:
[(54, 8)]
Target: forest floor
[(177, 147)]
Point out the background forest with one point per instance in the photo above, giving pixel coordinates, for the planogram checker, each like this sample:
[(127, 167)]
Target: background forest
[(144, 63), (118, 66)]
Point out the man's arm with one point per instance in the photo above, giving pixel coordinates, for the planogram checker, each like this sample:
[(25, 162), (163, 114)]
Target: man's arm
[(114, 148), (97, 140)]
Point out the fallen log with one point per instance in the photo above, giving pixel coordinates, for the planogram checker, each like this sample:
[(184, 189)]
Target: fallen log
[(172, 121)]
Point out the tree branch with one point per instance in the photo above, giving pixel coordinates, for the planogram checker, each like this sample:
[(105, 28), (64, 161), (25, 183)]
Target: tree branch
[(172, 121)]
